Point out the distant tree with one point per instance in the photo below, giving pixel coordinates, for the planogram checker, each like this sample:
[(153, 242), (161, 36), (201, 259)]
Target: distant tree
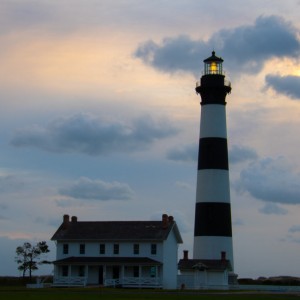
[(29, 257)]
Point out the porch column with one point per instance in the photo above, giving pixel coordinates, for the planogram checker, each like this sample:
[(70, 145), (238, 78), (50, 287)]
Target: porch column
[(140, 274), (122, 274), (70, 274), (55, 271), (86, 274)]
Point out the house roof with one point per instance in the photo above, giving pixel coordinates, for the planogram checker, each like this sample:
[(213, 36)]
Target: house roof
[(116, 230), (204, 264), (107, 260)]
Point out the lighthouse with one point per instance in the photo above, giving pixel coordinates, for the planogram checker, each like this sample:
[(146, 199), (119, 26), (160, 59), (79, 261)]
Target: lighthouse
[(213, 230)]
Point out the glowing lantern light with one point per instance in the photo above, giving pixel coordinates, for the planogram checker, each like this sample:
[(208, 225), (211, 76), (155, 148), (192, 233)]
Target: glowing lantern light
[(213, 65)]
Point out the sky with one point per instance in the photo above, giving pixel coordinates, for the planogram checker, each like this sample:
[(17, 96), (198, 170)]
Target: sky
[(100, 119)]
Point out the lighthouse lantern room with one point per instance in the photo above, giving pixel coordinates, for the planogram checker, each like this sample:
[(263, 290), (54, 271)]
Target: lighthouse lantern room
[(213, 65)]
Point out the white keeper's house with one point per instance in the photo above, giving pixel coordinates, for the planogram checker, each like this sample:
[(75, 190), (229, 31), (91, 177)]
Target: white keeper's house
[(117, 253)]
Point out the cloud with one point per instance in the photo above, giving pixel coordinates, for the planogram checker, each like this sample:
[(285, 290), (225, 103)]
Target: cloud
[(286, 85), (10, 183), (294, 228), (183, 185), (2, 218), (246, 48), (239, 154), (20, 15), (238, 222), (175, 54), (89, 189), (290, 239), (65, 202), (270, 180), (273, 209), (3, 206), (184, 153), (87, 134)]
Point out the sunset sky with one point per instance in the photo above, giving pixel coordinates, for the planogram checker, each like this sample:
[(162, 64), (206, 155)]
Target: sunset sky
[(100, 119)]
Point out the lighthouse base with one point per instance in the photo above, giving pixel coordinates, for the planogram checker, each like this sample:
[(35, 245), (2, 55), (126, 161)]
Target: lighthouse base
[(212, 247)]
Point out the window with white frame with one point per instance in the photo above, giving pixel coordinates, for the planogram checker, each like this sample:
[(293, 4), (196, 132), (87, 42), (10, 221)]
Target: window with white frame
[(65, 248), (102, 249), (82, 249), (153, 249), (116, 248), (136, 249)]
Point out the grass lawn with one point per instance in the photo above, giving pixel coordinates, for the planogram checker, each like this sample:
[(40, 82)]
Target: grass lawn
[(11, 293)]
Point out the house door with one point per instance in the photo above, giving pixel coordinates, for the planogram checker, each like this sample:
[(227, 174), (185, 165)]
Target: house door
[(100, 280), (116, 272)]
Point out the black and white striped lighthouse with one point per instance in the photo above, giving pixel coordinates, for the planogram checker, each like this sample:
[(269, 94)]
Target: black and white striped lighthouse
[(213, 231)]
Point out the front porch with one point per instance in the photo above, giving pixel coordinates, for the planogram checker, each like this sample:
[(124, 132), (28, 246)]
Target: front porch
[(109, 271)]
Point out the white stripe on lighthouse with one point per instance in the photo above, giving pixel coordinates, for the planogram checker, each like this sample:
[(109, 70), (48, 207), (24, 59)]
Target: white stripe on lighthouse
[(206, 186), (213, 121)]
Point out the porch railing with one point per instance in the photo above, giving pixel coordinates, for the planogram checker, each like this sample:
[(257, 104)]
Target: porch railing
[(70, 281), (134, 282)]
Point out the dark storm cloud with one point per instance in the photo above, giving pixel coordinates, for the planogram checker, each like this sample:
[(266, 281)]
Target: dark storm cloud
[(270, 180), (88, 189), (175, 54), (246, 48), (84, 133), (287, 85)]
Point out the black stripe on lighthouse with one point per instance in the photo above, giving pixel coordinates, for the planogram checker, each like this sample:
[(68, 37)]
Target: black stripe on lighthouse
[(213, 219), (213, 153)]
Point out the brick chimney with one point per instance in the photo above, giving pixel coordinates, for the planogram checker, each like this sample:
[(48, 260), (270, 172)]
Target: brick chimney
[(165, 221), (66, 221), (185, 254), (171, 219), (74, 219)]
